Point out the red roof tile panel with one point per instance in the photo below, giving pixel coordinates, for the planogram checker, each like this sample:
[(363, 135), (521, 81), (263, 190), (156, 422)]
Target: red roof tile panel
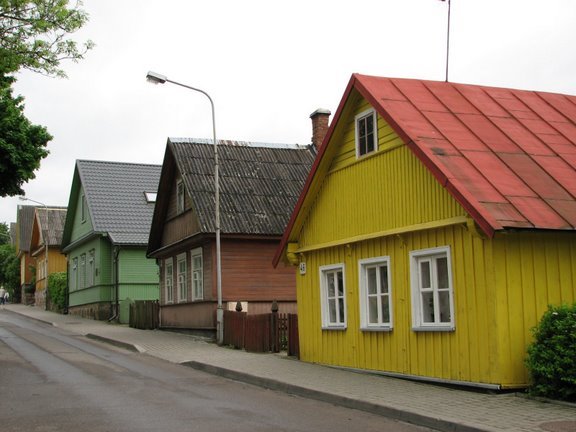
[(489, 133), (560, 170), (539, 213)]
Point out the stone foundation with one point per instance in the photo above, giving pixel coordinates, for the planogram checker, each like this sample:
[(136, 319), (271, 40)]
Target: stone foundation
[(95, 311)]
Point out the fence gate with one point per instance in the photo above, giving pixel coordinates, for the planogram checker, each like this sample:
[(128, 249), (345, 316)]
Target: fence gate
[(272, 332)]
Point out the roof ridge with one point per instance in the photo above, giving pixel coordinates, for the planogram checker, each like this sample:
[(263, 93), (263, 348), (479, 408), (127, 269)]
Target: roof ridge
[(238, 143), (97, 161)]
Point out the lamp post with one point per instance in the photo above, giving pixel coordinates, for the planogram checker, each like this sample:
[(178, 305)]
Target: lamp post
[(46, 298), (157, 78)]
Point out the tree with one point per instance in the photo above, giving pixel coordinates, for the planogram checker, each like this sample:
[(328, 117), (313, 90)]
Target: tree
[(4, 234), (22, 144), (34, 35)]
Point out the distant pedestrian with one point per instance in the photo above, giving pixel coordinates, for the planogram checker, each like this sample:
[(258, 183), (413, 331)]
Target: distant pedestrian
[(6, 297), (3, 293)]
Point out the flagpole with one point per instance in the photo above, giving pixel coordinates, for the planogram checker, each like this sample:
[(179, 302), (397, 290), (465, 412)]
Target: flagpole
[(448, 41)]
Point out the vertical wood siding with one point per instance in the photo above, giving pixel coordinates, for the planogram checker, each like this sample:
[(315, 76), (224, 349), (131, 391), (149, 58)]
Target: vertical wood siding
[(501, 289), (79, 227), (375, 194)]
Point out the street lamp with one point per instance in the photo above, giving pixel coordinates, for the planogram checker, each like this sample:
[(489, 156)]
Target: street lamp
[(157, 78), (46, 295)]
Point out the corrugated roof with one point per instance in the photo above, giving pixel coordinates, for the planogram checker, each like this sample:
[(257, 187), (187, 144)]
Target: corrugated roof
[(25, 219), (115, 197), (508, 156), (259, 182), (53, 226)]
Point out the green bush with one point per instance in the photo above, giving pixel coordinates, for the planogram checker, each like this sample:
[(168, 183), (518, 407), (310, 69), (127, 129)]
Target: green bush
[(551, 357), (57, 291)]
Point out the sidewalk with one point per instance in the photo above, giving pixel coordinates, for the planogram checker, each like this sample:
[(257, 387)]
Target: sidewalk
[(423, 404)]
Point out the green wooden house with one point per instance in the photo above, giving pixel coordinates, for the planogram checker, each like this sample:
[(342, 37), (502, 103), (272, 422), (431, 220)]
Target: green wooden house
[(105, 238)]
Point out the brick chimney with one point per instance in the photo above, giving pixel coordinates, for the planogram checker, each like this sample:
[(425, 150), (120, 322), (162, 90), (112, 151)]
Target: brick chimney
[(319, 126)]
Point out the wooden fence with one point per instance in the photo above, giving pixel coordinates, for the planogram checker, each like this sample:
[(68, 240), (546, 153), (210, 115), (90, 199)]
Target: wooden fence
[(144, 314), (272, 332)]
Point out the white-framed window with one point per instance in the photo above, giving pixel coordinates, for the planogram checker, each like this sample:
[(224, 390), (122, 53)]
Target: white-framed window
[(180, 197), (169, 279), (375, 294), (82, 271), (432, 290), (366, 133), (197, 274), (333, 296), (181, 280), (74, 274), (83, 208), (91, 268)]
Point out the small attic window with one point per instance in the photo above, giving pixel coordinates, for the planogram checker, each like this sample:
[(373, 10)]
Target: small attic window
[(366, 139), (150, 197)]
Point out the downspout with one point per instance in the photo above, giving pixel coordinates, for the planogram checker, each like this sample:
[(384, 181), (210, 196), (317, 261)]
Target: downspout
[(115, 266), (67, 289)]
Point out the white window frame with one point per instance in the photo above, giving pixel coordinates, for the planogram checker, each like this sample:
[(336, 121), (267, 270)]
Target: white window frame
[(181, 278), (83, 209), (363, 266), (430, 256), (74, 274), (82, 271), (357, 120), (340, 322), (197, 274), (180, 201), (169, 280), (91, 268)]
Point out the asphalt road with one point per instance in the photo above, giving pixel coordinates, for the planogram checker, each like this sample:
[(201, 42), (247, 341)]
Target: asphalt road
[(53, 380)]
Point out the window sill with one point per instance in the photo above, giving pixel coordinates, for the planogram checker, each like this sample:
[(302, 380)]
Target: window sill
[(376, 329), (337, 328), (434, 329)]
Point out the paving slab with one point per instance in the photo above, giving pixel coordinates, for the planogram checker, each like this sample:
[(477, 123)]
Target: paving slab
[(434, 406)]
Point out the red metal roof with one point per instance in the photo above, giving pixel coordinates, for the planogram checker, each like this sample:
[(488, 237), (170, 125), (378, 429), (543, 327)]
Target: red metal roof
[(507, 156)]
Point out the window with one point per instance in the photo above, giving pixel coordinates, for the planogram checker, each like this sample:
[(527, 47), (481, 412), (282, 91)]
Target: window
[(169, 280), (375, 294), (366, 137), (83, 209), (82, 271), (182, 291), (197, 275), (432, 292), (150, 197), (179, 197), (91, 268), (333, 296), (74, 274)]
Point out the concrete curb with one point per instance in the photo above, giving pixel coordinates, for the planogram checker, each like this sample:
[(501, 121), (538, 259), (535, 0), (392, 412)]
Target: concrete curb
[(397, 414), (117, 343)]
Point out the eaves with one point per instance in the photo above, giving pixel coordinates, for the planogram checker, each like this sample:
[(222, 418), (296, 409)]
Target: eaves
[(82, 240)]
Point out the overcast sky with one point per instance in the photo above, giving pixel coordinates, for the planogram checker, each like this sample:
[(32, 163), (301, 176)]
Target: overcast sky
[(268, 65)]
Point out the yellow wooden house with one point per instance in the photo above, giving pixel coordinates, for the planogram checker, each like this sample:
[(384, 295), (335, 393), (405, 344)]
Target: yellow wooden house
[(45, 241), (435, 228)]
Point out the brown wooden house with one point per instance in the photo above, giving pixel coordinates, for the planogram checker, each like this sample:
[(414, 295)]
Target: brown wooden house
[(259, 186)]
